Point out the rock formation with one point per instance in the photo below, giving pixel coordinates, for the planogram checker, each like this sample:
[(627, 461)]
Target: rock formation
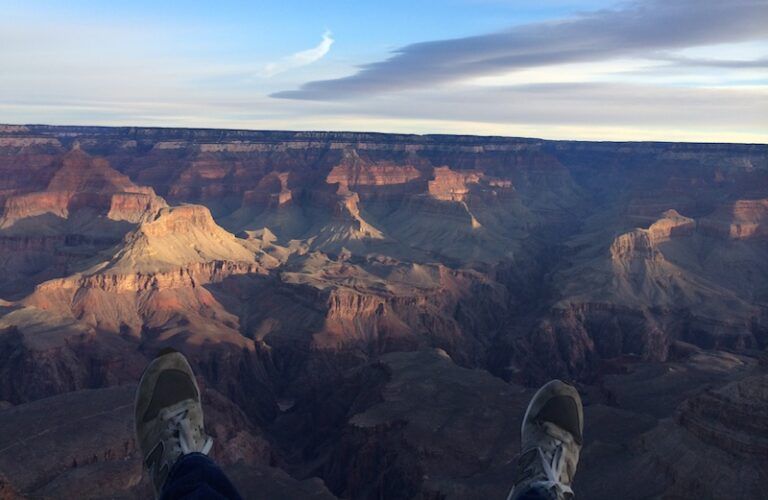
[(742, 219), (85, 207), (452, 186), (82, 182)]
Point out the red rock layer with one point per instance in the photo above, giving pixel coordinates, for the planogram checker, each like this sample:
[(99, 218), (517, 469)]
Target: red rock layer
[(84, 182), (449, 185), (744, 219)]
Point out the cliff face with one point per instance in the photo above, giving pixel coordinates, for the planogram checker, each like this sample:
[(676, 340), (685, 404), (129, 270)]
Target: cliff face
[(527, 258), (81, 182), (84, 207), (452, 186), (740, 220), (356, 172)]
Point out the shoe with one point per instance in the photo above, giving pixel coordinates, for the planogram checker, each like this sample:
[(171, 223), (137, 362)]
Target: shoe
[(168, 415), (551, 442)]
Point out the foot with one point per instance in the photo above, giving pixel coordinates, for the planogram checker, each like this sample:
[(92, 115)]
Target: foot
[(551, 442), (168, 415)]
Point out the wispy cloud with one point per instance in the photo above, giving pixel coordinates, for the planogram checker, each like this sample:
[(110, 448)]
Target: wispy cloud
[(760, 63), (640, 28), (300, 59)]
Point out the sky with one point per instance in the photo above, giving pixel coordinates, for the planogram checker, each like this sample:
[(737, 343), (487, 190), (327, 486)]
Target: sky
[(671, 70)]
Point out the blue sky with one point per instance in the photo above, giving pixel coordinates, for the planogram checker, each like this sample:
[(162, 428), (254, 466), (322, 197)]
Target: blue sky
[(632, 70)]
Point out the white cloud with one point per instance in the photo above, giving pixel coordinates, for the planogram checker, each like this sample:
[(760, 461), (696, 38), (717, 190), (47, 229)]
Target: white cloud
[(302, 58), (634, 29)]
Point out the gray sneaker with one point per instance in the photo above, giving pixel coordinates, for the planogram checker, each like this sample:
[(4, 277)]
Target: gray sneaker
[(551, 442), (168, 415)]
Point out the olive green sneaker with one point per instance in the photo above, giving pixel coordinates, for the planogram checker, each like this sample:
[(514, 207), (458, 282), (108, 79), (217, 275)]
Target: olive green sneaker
[(168, 415), (551, 442)]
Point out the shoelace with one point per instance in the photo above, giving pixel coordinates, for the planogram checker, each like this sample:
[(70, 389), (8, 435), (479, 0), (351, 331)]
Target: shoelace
[(179, 426), (545, 473), (553, 470)]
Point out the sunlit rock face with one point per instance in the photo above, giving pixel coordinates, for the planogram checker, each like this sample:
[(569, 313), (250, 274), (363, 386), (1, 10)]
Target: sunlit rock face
[(451, 186), (338, 293), (82, 182), (739, 220)]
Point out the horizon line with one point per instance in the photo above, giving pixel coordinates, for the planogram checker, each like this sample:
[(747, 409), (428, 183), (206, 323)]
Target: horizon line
[(377, 132)]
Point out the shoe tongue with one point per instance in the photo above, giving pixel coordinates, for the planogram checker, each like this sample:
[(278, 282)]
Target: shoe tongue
[(172, 387), (557, 433)]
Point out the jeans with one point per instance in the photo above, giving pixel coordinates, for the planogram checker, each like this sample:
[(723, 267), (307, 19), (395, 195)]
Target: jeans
[(535, 492), (197, 476)]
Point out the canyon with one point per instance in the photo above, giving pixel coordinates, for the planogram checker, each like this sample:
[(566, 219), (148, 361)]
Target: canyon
[(368, 314)]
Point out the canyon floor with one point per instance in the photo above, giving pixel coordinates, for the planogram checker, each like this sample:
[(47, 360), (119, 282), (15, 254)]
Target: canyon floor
[(368, 314)]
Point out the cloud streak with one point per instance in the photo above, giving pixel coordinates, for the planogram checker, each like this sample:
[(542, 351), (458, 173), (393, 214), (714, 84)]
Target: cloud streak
[(637, 29), (584, 105), (760, 63), (589, 111), (299, 59)]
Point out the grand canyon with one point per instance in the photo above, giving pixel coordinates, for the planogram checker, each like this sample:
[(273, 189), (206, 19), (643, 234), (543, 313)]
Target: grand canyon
[(368, 314)]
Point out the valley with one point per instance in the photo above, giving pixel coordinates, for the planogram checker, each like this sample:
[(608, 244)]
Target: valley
[(368, 314)]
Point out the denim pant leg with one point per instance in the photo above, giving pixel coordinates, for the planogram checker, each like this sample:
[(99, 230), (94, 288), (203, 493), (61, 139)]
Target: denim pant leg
[(535, 492), (195, 476)]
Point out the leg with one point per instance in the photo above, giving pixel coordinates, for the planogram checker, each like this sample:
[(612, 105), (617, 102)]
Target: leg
[(536, 493), (551, 443), (195, 476), (171, 433)]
